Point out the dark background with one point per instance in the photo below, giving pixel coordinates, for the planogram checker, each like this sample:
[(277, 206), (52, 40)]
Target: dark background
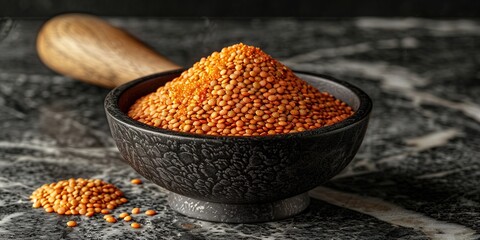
[(244, 8)]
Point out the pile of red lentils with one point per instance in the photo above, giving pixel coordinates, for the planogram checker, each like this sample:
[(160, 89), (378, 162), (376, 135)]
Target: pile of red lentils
[(239, 91), (84, 197)]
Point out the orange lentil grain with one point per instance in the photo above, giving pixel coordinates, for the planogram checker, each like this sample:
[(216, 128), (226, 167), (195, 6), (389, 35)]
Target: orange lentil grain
[(135, 225), (127, 218), (135, 210), (71, 223), (61, 210), (150, 212), (111, 220), (136, 181)]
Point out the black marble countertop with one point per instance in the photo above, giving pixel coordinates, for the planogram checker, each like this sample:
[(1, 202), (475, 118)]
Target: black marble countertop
[(417, 175)]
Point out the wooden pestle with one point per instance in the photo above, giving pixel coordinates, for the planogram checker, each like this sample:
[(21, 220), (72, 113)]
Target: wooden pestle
[(87, 48)]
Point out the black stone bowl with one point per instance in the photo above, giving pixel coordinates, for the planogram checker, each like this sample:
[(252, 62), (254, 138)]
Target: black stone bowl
[(237, 179)]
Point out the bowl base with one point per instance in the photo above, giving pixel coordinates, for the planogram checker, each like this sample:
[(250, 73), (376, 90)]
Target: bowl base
[(238, 213)]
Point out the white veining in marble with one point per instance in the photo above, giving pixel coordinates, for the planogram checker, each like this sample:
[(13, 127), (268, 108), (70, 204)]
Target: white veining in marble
[(468, 108), (7, 219), (55, 150), (422, 143), (364, 163), (417, 144), (442, 173), (73, 123), (392, 77), (394, 214), (437, 27), (407, 42), (6, 183), (432, 140), (213, 228)]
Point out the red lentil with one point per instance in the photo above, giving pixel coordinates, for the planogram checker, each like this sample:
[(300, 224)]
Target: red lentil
[(150, 212), (111, 220), (136, 181), (239, 91), (135, 225), (77, 196), (135, 210), (71, 223), (123, 215)]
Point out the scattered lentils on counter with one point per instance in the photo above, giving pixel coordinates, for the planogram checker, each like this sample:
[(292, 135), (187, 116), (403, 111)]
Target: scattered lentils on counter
[(239, 91), (78, 197), (84, 197)]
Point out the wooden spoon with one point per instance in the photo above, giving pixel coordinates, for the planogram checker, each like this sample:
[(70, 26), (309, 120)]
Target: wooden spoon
[(87, 48)]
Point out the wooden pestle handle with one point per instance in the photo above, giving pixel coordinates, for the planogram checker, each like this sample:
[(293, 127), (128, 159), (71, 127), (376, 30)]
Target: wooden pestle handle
[(88, 48)]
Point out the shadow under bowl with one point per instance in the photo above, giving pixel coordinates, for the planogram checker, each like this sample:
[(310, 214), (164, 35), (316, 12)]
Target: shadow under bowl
[(237, 179)]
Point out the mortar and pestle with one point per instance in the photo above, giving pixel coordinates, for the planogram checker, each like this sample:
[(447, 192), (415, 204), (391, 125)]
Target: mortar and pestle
[(215, 178)]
